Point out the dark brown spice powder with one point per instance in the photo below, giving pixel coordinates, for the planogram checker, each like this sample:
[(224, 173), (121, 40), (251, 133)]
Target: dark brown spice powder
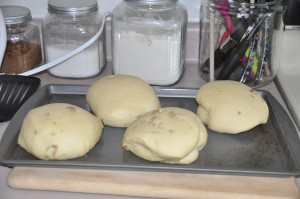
[(20, 57)]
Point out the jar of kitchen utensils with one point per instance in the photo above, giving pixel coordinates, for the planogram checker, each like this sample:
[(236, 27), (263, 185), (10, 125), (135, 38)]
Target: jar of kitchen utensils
[(240, 40), (23, 48), (148, 40), (68, 25)]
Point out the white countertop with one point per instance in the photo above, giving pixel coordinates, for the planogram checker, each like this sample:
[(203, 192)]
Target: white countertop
[(288, 74)]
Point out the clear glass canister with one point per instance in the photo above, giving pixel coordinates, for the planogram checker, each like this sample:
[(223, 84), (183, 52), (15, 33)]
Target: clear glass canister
[(148, 40), (23, 49), (68, 25), (240, 40)]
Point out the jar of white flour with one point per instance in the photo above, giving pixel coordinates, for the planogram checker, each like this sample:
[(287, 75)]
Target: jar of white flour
[(148, 40), (68, 25)]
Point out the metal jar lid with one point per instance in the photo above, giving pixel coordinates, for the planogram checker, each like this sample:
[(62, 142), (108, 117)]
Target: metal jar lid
[(15, 14), (153, 1), (72, 7)]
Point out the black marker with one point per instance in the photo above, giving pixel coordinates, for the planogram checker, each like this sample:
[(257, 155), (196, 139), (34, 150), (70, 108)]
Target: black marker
[(225, 48), (232, 61)]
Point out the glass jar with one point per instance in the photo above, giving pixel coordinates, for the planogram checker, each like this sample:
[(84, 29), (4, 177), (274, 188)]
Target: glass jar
[(148, 40), (240, 41), (68, 25), (23, 49)]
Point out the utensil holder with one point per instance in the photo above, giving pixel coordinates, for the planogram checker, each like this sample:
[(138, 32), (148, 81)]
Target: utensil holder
[(240, 40)]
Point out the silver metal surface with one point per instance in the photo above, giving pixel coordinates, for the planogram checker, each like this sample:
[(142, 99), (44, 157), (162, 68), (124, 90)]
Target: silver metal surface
[(291, 27), (269, 149), (72, 7), (153, 1)]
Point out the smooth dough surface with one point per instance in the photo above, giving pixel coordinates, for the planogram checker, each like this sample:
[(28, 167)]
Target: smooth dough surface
[(171, 135), (59, 131), (230, 107), (119, 99)]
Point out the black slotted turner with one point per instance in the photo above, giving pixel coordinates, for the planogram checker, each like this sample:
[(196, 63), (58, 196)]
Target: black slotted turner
[(14, 91)]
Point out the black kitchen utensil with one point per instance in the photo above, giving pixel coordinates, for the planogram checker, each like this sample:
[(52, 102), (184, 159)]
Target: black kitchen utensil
[(14, 91), (224, 50), (232, 61)]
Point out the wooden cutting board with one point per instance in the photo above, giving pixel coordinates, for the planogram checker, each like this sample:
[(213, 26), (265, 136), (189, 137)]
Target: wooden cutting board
[(153, 184)]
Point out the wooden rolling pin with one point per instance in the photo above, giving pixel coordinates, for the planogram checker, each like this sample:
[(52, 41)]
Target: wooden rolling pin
[(153, 184)]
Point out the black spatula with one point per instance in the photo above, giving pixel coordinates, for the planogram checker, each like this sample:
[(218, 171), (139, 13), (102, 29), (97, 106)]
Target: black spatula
[(14, 91)]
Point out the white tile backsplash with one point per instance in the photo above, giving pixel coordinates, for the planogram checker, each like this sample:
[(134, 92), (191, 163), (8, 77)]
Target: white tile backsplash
[(39, 7)]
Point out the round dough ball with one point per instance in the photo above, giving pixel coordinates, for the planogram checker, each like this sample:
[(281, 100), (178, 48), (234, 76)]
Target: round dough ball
[(59, 131), (230, 107), (119, 99), (171, 135)]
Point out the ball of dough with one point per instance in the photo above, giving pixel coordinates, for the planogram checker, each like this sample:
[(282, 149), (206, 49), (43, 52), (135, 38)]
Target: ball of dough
[(119, 99), (59, 131), (171, 135), (230, 107)]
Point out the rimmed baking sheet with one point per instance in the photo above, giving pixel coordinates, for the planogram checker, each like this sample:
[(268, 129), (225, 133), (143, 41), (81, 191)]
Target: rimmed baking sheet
[(269, 149)]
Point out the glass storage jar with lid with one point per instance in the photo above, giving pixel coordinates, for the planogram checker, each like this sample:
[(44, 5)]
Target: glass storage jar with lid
[(23, 50), (148, 40), (68, 25), (241, 40)]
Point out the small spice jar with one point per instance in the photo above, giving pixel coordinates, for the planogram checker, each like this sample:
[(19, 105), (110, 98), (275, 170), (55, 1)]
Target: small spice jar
[(68, 25), (23, 50), (148, 40)]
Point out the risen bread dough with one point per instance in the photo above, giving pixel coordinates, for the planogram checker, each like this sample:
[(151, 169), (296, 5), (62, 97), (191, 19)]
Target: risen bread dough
[(118, 100), (230, 107), (59, 131), (171, 135)]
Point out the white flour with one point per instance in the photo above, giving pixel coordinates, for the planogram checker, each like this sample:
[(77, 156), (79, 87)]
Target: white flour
[(87, 63), (155, 58)]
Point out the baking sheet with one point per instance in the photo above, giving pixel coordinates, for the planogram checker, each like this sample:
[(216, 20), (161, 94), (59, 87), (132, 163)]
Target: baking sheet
[(269, 149)]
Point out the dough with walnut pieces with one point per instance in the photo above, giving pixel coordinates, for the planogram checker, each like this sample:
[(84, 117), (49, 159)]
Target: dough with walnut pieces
[(227, 106), (170, 135), (59, 131), (119, 99)]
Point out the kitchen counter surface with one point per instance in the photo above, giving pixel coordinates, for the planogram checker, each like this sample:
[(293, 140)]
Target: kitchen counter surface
[(189, 79), (288, 76)]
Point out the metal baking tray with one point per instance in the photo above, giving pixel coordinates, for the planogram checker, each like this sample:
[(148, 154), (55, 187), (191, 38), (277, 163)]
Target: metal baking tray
[(269, 149)]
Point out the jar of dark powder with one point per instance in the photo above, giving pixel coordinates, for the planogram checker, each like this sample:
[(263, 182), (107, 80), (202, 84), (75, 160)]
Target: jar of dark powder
[(23, 50)]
